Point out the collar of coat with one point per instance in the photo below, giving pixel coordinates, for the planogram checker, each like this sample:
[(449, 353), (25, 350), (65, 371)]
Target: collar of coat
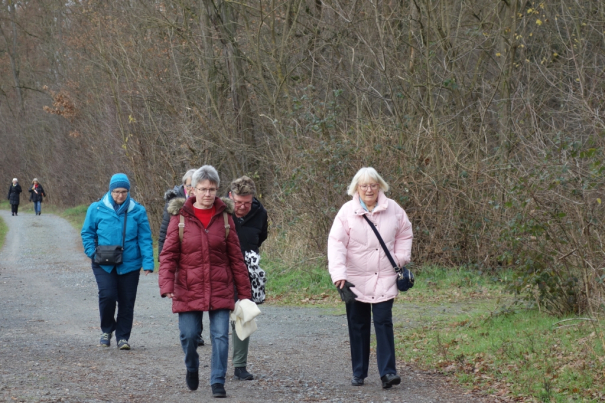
[(381, 204), (107, 203), (180, 203)]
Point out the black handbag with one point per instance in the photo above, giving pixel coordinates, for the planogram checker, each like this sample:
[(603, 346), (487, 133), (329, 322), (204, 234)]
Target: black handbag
[(111, 254), (405, 278)]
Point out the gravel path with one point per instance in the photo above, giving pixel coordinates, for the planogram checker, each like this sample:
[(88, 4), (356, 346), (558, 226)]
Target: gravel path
[(49, 330)]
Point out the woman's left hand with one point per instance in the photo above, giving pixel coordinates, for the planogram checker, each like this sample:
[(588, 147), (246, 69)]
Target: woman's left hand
[(147, 272)]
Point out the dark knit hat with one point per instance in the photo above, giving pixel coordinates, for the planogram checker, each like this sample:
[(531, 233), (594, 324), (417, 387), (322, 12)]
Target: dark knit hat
[(119, 181)]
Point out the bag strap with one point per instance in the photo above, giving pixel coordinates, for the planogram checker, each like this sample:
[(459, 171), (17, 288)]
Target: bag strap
[(124, 231), (181, 227), (384, 247), (227, 226)]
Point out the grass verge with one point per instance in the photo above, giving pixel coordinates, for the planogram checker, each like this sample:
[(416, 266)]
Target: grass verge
[(3, 231)]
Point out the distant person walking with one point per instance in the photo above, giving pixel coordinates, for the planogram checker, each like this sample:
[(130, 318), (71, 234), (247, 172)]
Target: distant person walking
[(355, 255), (118, 220), (200, 265), (36, 195), (251, 224), (14, 196)]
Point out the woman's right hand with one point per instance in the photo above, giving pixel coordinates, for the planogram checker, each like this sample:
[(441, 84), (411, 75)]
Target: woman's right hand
[(340, 283), (170, 295)]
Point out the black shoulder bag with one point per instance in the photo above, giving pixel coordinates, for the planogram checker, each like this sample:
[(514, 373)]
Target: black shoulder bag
[(111, 254), (405, 278)]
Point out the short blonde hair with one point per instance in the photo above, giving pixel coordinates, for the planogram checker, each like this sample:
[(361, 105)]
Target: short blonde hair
[(363, 175)]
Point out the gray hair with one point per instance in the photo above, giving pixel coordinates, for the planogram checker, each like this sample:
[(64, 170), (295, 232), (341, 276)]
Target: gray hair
[(243, 186), (363, 175), (207, 172), (35, 180), (188, 175)]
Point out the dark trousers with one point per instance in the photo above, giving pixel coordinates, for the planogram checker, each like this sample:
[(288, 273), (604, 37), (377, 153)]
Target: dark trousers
[(120, 289), (359, 317), (14, 208)]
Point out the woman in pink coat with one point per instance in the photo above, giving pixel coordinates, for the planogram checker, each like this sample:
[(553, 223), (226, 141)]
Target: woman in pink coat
[(355, 255)]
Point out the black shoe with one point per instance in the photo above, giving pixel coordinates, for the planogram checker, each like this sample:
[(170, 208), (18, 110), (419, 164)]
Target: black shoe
[(218, 390), (243, 375), (193, 380), (356, 381), (389, 380), (13, 214), (200, 341)]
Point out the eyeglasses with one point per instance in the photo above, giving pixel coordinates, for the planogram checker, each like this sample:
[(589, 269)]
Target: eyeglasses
[(245, 204), (206, 190), (188, 186), (120, 192), (372, 186)]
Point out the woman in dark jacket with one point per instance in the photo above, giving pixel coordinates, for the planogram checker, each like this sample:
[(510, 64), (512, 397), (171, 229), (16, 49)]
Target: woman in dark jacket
[(14, 194), (36, 194), (201, 261)]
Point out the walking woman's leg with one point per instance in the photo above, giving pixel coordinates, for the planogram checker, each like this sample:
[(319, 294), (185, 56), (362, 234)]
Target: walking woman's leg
[(240, 350), (219, 335), (385, 341), (107, 284), (359, 318), (127, 295), (190, 324)]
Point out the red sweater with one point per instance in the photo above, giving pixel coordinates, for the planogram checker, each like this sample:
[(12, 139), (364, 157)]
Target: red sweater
[(204, 215)]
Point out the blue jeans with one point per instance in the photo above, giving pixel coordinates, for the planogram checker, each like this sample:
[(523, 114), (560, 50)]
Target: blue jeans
[(38, 207), (121, 289), (359, 317), (190, 325)]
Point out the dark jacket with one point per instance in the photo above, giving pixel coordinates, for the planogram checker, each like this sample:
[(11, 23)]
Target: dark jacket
[(36, 197), (14, 193), (252, 228), (177, 191), (202, 270)]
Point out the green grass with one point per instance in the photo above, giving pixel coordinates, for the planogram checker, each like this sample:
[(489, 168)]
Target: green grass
[(3, 231), (524, 354)]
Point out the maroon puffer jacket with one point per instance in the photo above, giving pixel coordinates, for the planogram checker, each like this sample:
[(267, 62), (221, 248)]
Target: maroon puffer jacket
[(201, 271)]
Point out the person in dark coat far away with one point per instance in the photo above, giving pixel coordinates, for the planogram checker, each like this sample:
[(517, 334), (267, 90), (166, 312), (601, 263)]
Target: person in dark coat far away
[(14, 195), (199, 268), (36, 195), (251, 225)]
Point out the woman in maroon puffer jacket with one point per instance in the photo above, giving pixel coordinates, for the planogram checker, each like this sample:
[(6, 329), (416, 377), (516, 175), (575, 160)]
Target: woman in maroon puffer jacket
[(199, 273)]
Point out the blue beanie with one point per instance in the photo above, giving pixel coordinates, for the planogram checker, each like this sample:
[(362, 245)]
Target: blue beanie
[(119, 181)]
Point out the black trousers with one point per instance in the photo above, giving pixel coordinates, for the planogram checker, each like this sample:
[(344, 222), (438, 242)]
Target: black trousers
[(116, 289), (14, 208), (359, 317)]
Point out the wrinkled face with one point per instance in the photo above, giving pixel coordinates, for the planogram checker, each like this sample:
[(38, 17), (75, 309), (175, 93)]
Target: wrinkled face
[(243, 204), (205, 192), (368, 191), (189, 188), (119, 195)]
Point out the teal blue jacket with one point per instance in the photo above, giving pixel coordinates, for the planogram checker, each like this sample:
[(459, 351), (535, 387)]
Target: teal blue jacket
[(105, 226)]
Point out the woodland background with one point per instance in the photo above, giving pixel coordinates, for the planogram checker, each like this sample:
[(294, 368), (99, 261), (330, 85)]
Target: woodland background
[(486, 118)]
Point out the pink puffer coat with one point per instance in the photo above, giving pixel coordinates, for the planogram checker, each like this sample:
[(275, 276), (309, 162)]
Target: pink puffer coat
[(354, 253)]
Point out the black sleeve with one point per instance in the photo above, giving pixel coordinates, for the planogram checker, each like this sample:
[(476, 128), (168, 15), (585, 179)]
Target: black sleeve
[(163, 228), (264, 231)]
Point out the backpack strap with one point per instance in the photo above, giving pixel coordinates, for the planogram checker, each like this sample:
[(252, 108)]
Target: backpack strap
[(227, 226), (181, 227)]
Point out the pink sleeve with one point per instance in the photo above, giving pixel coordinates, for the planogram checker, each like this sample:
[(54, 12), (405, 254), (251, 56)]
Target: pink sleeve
[(403, 240), (338, 241)]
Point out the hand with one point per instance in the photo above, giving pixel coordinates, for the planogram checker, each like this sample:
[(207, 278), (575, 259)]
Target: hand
[(340, 283), (170, 295)]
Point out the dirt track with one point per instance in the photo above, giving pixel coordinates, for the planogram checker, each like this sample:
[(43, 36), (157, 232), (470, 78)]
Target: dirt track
[(49, 332)]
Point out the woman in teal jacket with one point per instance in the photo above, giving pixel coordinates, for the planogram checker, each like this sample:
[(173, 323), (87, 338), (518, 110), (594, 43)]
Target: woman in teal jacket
[(104, 225)]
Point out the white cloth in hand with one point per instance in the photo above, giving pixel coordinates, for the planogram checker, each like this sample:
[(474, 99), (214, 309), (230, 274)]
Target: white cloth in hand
[(243, 315)]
